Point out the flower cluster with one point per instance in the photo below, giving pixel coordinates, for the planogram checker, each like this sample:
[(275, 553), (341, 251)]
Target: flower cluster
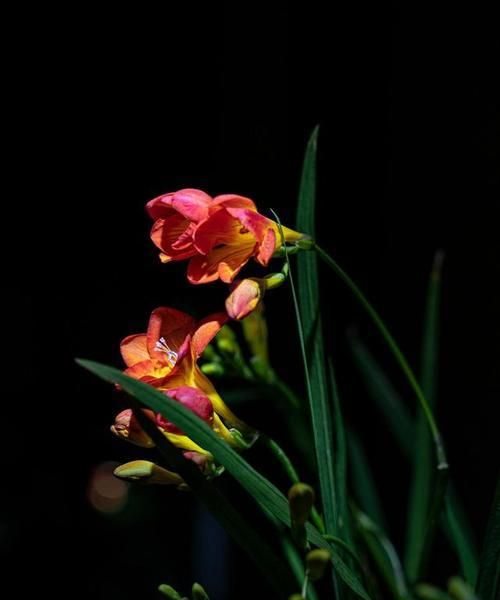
[(218, 236)]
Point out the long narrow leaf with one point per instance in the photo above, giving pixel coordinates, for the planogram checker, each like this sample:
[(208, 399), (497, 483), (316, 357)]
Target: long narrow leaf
[(423, 473), (401, 425), (381, 391), (340, 460), (363, 483), (384, 555), (488, 580), (308, 292), (267, 496)]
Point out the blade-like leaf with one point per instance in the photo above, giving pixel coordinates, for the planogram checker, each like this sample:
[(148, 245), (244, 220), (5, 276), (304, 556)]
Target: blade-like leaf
[(267, 496), (308, 292), (380, 389), (362, 481), (457, 529), (340, 460), (488, 580), (401, 425), (422, 486), (384, 555)]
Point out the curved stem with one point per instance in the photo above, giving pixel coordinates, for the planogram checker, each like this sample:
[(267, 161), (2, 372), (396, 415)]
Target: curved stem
[(291, 472), (442, 463)]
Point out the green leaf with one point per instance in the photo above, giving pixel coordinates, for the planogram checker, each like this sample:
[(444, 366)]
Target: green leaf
[(340, 461), (384, 555), (362, 481), (401, 425), (267, 496), (488, 580), (457, 529), (385, 397), (419, 534), (308, 292)]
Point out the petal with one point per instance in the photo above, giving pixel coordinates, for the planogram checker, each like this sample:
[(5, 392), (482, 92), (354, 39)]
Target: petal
[(225, 262), (167, 331), (206, 330), (160, 207), (134, 349), (233, 201), (149, 371), (219, 228), (262, 229), (192, 204), (173, 236)]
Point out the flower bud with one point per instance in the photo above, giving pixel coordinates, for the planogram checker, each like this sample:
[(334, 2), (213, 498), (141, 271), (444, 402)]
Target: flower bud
[(244, 297), (169, 592), (213, 369), (296, 597), (226, 341), (199, 593), (194, 400), (147, 472), (316, 562), (127, 427), (301, 500)]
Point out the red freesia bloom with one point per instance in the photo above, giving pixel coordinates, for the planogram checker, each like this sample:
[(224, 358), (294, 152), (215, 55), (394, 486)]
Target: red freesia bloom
[(166, 358), (220, 235)]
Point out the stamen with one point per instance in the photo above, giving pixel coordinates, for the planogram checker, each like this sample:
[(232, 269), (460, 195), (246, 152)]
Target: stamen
[(162, 346)]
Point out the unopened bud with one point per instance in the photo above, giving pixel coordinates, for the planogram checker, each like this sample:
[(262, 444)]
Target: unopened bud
[(169, 592), (301, 499), (199, 593), (316, 563), (244, 297), (226, 341), (127, 427), (213, 369), (147, 472)]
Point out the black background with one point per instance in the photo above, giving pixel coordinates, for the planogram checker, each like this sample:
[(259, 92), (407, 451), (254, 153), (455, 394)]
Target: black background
[(105, 111)]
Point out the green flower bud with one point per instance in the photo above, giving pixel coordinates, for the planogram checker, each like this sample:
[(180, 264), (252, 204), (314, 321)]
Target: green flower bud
[(300, 499), (316, 562), (145, 471), (213, 369), (199, 593), (169, 592)]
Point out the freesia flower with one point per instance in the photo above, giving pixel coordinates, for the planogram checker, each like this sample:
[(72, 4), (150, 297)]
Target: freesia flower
[(166, 358), (219, 235)]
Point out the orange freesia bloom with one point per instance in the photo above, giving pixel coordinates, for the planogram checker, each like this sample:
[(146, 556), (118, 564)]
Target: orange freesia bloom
[(219, 235), (166, 358)]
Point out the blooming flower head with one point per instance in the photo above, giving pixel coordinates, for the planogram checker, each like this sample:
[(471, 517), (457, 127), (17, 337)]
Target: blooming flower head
[(166, 358), (219, 235)]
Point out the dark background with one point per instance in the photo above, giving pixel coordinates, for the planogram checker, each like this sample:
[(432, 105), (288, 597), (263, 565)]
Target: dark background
[(105, 111)]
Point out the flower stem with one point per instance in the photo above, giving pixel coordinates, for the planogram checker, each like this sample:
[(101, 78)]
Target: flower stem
[(442, 463)]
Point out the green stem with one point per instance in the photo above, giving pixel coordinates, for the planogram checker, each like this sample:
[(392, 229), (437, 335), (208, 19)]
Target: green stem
[(442, 463), (291, 472)]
